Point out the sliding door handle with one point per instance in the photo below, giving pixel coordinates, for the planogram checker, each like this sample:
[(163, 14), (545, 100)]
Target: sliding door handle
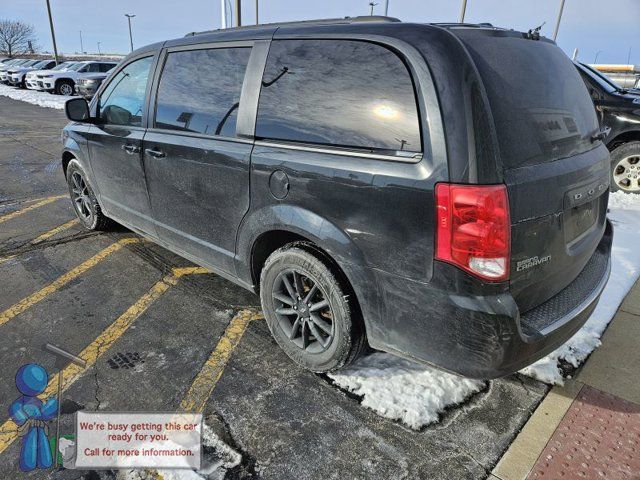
[(131, 149), (154, 153)]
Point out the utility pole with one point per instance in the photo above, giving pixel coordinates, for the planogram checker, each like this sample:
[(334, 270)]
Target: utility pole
[(81, 47), (386, 8), (99, 52), (257, 20), (53, 34), (238, 13), (463, 11), (629, 57), (555, 32), (129, 17)]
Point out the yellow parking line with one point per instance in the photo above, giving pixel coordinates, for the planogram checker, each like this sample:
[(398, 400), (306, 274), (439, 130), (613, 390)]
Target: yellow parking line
[(91, 354), (206, 380), (45, 236), (44, 201), (54, 231), (36, 297)]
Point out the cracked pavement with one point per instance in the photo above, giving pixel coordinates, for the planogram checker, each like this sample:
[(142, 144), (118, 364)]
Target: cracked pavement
[(284, 421)]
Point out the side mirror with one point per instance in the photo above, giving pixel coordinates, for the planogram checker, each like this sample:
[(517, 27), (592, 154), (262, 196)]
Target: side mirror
[(77, 110)]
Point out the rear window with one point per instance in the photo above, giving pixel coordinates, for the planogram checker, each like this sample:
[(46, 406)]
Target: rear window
[(206, 102), (541, 108), (338, 92)]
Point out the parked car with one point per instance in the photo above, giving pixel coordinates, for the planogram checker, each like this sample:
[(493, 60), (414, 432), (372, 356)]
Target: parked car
[(619, 113), (4, 76), (425, 189), (88, 86), (64, 82), (17, 74), (31, 78)]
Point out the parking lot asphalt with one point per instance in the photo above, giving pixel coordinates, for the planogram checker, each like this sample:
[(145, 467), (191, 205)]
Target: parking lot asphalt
[(160, 334)]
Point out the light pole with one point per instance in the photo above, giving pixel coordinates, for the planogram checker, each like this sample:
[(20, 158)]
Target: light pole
[(238, 13), (595, 59), (99, 52), (555, 32), (463, 10), (129, 17), (81, 47), (257, 21), (386, 8), (629, 57), (53, 34)]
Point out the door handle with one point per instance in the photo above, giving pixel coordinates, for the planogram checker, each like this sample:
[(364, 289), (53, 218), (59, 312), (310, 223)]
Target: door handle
[(154, 153), (131, 149)]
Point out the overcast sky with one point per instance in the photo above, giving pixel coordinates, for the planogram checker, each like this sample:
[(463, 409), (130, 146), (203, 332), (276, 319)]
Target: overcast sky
[(590, 25)]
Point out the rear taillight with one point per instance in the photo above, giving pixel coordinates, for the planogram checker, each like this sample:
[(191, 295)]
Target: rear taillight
[(473, 229)]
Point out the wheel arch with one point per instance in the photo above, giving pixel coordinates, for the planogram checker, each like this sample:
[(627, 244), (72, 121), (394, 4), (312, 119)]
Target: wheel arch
[(268, 229), (622, 138)]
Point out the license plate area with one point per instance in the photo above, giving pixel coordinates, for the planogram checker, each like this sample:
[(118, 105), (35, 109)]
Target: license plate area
[(579, 220)]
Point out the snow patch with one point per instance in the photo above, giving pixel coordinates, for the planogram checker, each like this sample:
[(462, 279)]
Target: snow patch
[(42, 99), (213, 467), (625, 269), (402, 390)]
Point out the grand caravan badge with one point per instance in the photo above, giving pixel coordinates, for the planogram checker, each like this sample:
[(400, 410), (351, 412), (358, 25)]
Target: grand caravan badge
[(531, 262)]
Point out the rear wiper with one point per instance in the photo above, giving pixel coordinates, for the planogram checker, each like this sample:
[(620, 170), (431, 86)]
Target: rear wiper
[(534, 33)]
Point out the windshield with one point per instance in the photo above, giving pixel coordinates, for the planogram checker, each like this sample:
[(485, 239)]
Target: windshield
[(30, 63), (601, 79), (40, 64), (77, 66), (63, 66)]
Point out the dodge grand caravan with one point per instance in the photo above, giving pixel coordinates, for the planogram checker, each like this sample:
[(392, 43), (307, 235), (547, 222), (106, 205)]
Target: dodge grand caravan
[(434, 191)]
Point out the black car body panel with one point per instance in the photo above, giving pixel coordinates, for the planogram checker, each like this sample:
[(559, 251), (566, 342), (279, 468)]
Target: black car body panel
[(226, 201)]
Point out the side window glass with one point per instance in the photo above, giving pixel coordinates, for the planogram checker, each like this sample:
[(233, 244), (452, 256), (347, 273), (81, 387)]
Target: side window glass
[(94, 67), (206, 102), (122, 102), (338, 92)]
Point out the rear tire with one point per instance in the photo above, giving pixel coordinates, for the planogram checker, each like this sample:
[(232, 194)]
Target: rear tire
[(64, 87), (309, 312), (625, 168), (84, 201)]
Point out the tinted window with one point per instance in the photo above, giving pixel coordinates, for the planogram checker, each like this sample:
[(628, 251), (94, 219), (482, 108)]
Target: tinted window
[(122, 101), (105, 67), (199, 90), (347, 93)]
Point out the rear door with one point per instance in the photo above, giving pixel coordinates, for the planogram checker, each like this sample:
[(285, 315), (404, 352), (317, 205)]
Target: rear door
[(115, 145), (197, 167), (556, 172)]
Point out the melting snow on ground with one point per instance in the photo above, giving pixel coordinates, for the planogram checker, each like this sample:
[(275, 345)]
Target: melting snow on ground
[(43, 99), (214, 466), (416, 394), (625, 270)]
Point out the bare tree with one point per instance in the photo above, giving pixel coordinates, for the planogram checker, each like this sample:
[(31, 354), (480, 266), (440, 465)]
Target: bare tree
[(16, 37)]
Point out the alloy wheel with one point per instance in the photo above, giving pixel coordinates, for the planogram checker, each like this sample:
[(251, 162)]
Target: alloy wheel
[(81, 198), (66, 89), (303, 311), (626, 174)]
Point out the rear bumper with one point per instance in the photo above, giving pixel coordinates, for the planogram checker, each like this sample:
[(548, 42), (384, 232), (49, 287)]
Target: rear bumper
[(445, 324)]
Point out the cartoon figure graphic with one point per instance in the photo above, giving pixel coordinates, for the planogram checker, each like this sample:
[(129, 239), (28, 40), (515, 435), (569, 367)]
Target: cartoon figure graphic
[(31, 415)]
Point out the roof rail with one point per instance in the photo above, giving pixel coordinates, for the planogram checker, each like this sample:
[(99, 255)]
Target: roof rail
[(322, 21)]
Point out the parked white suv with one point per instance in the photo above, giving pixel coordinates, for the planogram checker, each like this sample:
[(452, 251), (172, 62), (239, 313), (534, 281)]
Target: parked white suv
[(31, 78), (64, 82), (10, 64), (17, 75)]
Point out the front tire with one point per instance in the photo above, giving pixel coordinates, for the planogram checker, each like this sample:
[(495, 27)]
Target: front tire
[(64, 87), (625, 168), (84, 200), (309, 312)]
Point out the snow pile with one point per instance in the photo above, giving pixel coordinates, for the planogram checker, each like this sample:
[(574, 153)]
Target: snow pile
[(403, 390), (42, 99), (625, 270)]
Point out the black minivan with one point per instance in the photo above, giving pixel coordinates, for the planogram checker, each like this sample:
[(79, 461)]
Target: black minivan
[(437, 191)]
